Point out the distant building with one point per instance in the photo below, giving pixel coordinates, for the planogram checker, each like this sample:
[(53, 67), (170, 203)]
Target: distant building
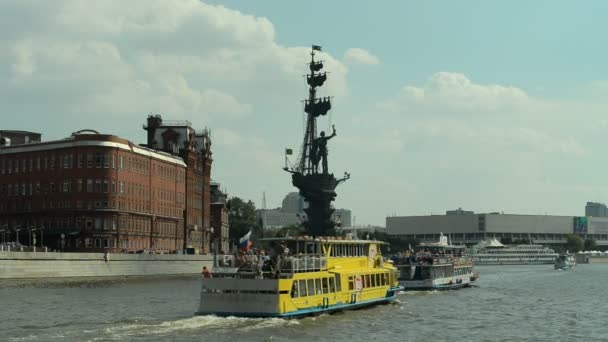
[(472, 228), (292, 213), (12, 138), (459, 211), (343, 217), (594, 209)]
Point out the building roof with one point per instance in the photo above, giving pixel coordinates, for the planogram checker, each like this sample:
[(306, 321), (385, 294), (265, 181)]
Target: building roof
[(92, 140)]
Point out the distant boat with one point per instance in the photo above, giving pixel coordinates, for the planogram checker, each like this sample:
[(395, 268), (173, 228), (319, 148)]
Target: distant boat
[(565, 261), (492, 252), (436, 266)]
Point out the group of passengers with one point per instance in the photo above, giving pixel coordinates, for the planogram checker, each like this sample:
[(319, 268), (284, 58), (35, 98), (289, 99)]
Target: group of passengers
[(262, 262)]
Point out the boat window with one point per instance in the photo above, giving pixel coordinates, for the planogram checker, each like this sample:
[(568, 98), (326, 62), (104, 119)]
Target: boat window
[(351, 283), (338, 283), (332, 284), (311, 287), (385, 279), (373, 280), (302, 288), (318, 286), (367, 282), (294, 290), (378, 283), (324, 285)]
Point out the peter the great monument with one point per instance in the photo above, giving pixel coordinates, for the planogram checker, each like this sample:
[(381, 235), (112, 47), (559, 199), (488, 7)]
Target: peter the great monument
[(316, 186)]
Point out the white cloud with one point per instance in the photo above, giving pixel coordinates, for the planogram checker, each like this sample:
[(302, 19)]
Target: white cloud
[(360, 56), (448, 93), (184, 58)]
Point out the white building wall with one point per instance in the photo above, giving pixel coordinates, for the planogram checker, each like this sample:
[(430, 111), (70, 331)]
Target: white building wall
[(597, 225), (501, 223), (434, 224)]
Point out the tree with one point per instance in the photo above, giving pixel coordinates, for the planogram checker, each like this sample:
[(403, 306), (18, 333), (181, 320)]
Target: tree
[(590, 245), (243, 218), (574, 243)]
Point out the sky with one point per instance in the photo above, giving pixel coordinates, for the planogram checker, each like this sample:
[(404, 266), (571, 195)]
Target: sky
[(485, 105)]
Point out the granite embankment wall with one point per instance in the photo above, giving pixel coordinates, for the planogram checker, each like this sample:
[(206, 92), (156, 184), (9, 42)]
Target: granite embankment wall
[(22, 265)]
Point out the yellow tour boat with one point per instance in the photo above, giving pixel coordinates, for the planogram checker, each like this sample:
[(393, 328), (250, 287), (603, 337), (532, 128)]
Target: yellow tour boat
[(301, 276)]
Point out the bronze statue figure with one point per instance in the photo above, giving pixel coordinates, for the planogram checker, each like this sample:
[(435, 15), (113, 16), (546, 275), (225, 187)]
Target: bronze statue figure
[(319, 149)]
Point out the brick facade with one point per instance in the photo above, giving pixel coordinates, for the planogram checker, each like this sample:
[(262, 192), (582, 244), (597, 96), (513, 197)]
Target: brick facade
[(93, 192)]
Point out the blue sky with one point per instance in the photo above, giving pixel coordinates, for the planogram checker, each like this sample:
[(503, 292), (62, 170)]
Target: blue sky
[(485, 105)]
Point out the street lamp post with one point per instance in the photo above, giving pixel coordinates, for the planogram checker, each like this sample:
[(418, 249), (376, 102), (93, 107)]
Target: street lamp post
[(30, 230), (41, 236), (17, 234), (4, 234), (33, 237)]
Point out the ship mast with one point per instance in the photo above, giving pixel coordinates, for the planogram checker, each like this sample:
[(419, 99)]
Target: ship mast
[(314, 107)]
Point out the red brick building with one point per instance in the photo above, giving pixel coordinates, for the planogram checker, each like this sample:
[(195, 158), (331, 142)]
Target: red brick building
[(220, 219), (180, 139), (93, 192)]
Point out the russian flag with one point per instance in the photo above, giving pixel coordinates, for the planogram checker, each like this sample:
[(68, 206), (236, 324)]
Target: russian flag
[(245, 241)]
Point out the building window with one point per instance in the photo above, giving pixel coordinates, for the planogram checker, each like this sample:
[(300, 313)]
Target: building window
[(31, 165), (89, 160), (79, 186), (16, 166), (97, 185), (106, 161), (2, 165), (89, 185), (105, 186), (66, 185), (52, 187), (98, 158), (113, 187), (79, 157), (38, 163), (121, 164), (113, 161), (97, 223), (122, 187), (66, 161)]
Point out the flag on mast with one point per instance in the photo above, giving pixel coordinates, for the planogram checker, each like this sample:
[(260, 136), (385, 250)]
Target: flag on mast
[(288, 151), (245, 242), (316, 47)]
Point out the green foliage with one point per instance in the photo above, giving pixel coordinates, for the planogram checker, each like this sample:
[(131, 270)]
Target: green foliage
[(590, 245), (291, 230), (243, 219), (574, 243)]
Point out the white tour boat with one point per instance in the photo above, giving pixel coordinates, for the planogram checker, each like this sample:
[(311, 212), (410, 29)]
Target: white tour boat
[(435, 266), (492, 252)]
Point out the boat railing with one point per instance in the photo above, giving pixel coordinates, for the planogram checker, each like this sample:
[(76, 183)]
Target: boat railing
[(304, 263), (434, 260)]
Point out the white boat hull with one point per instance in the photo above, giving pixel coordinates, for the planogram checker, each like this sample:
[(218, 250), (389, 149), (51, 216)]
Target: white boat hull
[(437, 284)]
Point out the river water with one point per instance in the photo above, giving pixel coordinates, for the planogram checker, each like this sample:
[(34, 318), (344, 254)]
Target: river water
[(509, 303)]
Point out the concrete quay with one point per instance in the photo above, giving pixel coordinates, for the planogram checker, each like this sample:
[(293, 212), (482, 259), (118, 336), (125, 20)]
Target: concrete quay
[(25, 265)]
